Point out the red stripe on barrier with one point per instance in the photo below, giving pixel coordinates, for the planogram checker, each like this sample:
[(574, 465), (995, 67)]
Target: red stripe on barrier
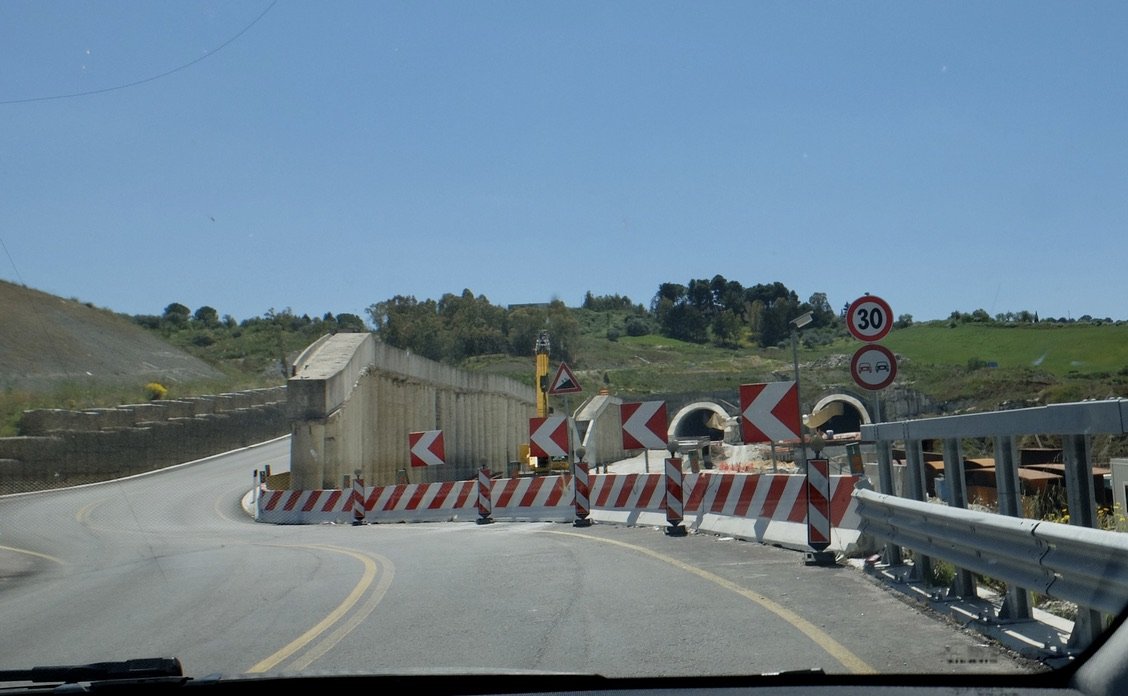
[(441, 495), (506, 493), (330, 501), (624, 498), (748, 487), (271, 500), (697, 493), (467, 489), (394, 498), (724, 485), (531, 493), (776, 487), (417, 497), (799, 507), (311, 501), (292, 500), (556, 493), (649, 486), (841, 497)]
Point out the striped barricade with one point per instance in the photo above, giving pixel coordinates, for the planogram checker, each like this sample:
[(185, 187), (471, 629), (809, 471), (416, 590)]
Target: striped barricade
[(768, 508)]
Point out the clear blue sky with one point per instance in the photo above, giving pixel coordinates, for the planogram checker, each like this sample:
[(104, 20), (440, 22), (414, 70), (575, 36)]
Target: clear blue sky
[(324, 156)]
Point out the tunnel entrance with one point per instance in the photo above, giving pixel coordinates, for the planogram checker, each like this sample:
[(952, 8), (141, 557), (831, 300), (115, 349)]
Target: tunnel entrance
[(700, 419), (849, 415)]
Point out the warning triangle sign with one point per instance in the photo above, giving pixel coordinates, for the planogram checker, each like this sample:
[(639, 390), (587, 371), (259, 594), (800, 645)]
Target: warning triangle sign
[(564, 382)]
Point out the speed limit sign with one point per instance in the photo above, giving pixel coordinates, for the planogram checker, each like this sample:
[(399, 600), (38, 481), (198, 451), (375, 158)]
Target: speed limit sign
[(869, 318)]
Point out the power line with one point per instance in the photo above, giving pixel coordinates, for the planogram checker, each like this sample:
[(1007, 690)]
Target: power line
[(135, 83)]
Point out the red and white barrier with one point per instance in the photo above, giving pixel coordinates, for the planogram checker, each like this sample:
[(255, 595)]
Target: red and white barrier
[(768, 508)]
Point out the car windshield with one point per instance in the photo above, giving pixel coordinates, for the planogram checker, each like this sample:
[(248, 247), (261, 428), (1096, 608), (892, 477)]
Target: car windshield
[(637, 339)]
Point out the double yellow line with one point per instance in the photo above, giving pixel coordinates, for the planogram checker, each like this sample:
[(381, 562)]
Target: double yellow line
[(320, 638)]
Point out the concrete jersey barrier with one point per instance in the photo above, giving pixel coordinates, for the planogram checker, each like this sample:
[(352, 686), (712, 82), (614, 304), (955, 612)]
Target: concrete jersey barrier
[(769, 508)]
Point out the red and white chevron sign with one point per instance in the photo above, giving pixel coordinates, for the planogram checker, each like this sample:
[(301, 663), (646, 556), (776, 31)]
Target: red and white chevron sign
[(770, 411), (644, 425), (427, 448), (818, 504), (548, 436)]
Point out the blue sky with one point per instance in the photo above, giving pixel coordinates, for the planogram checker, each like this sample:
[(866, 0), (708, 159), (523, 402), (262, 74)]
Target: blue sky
[(324, 156)]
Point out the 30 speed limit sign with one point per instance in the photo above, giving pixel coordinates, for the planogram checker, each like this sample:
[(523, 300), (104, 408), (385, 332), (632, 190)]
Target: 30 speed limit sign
[(869, 318)]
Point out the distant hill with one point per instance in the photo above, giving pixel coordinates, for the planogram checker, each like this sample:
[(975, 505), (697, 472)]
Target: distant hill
[(46, 341)]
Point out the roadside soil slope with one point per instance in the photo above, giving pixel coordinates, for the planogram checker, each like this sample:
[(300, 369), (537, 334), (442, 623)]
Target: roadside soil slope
[(46, 340)]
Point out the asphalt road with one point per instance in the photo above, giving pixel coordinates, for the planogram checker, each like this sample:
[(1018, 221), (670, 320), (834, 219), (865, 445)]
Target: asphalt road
[(170, 564)]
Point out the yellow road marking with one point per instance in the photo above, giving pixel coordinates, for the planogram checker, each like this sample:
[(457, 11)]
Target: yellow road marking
[(849, 660), (33, 553), (372, 566)]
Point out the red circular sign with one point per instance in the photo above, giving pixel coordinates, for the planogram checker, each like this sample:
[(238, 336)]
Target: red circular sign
[(873, 367), (869, 318)]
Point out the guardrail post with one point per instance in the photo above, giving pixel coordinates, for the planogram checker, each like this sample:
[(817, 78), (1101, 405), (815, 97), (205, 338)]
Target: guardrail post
[(1079, 490), (1017, 602), (963, 585), (1081, 498), (885, 487), (916, 490)]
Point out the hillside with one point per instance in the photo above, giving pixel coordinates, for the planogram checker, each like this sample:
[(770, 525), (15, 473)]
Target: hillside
[(63, 353), (47, 342)]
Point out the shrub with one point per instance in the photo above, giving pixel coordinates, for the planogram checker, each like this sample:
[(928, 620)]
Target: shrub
[(156, 391)]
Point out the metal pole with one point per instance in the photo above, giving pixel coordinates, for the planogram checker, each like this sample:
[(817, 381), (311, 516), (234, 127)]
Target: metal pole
[(802, 459)]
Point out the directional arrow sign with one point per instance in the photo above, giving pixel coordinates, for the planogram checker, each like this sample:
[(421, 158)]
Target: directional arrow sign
[(548, 436), (427, 448), (644, 425), (770, 411)]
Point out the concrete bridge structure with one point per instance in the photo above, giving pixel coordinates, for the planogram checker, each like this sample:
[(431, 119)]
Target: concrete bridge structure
[(353, 401)]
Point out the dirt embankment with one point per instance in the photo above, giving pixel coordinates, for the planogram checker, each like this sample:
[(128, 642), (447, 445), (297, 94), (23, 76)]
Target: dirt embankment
[(47, 340)]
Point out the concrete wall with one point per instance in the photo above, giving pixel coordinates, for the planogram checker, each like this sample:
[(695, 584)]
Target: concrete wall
[(602, 429), (353, 401), (60, 447)]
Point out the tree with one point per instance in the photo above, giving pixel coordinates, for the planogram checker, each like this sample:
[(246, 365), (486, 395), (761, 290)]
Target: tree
[(726, 328), (471, 326), (406, 323), (176, 315), (349, 323), (207, 316)]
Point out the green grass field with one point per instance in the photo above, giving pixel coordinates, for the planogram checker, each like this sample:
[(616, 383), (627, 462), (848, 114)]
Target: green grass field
[(1059, 349)]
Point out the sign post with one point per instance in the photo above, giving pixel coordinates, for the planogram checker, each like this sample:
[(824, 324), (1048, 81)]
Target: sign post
[(874, 367)]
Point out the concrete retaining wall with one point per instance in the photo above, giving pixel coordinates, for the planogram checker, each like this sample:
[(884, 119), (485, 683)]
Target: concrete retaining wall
[(353, 401), (59, 447)]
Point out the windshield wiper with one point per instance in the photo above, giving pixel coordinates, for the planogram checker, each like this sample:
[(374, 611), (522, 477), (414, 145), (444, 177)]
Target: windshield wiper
[(143, 668)]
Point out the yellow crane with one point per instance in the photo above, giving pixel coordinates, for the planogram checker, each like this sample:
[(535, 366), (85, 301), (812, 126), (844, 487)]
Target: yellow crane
[(542, 374)]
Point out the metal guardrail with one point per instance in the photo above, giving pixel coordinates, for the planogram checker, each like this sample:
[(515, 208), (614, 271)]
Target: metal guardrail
[(1074, 562), (1088, 567)]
